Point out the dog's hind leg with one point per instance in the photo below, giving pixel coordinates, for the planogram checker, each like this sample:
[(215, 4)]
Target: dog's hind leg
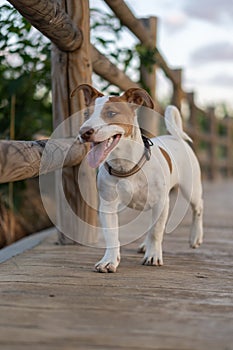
[(196, 202), (196, 233), (153, 244)]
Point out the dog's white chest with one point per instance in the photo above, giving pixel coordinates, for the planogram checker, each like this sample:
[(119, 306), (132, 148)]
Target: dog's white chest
[(136, 193)]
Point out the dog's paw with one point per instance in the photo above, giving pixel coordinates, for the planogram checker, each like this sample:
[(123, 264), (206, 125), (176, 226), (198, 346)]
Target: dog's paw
[(195, 243), (153, 257), (152, 261), (107, 265)]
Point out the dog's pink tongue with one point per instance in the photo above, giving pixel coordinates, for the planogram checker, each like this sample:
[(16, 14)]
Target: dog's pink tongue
[(96, 154)]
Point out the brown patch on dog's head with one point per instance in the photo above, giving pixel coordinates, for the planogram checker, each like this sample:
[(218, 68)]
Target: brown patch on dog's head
[(121, 109), (90, 93), (138, 97), (118, 111)]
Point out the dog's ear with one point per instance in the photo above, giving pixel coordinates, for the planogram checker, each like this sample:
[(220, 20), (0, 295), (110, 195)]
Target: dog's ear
[(139, 97), (90, 93)]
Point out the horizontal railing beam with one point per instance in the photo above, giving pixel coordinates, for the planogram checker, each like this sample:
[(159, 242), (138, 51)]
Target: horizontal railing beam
[(127, 18), (50, 19), (21, 160)]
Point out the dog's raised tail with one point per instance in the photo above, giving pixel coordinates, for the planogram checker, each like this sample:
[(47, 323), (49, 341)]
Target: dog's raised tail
[(174, 123)]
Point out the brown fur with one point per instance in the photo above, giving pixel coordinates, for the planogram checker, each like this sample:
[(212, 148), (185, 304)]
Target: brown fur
[(167, 157)]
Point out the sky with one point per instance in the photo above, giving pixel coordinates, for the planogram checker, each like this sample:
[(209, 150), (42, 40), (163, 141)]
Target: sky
[(196, 35)]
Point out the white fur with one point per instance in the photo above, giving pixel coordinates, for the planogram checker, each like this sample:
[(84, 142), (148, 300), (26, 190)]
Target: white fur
[(173, 123), (149, 188)]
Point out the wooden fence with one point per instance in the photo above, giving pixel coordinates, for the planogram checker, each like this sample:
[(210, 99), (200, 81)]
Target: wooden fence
[(213, 140), (66, 24)]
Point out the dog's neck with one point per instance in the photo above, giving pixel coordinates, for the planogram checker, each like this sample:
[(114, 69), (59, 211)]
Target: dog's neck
[(128, 152)]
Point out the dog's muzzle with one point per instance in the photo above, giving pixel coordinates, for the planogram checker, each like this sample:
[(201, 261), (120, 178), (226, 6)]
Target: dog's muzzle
[(85, 134)]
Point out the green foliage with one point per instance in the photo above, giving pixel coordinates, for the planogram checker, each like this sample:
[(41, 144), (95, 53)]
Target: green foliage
[(25, 73), (147, 56), (203, 121), (107, 34)]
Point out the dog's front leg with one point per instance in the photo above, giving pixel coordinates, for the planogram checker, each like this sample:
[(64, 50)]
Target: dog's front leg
[(109, 223)]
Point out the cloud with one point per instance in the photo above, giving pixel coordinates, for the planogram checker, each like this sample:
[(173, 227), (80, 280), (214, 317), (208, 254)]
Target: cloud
[(175, 20), (210, 10), (219, 51), (222, 80)]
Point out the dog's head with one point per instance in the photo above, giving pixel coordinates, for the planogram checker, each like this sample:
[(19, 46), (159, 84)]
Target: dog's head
[(108, 119)]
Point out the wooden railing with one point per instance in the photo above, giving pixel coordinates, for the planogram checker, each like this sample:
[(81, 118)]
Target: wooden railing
[(58, 25), (213, 137), (213, 140)]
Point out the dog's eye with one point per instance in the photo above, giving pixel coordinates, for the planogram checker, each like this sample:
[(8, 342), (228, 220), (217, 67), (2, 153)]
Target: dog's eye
[(111, 114)]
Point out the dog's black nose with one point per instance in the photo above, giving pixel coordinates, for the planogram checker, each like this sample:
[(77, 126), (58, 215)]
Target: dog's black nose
[(86, 133)]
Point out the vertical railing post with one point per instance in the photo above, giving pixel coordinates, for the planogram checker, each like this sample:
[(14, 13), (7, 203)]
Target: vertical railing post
[(193, 123), (212, 144), (147, 120), (70, 69), (177, 90), (229, 155)]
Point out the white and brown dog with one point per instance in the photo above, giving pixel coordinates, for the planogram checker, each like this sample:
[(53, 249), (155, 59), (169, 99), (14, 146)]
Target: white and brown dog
[(125, 158)]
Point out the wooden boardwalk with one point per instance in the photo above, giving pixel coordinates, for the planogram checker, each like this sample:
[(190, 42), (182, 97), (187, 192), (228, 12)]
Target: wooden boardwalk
[(51, 298)]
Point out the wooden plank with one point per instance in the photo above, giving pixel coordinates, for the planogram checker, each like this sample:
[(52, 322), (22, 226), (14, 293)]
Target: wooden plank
[(49, 18), (68, 71), (52, 300)]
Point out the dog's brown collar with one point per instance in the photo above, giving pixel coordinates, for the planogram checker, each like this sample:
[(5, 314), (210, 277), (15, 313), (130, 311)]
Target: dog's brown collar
[(145, 157)]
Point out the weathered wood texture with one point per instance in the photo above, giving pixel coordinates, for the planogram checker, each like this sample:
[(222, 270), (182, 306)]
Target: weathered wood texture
[(68, 71), (21, 160), (148, 74), (49, 18), (148, 123), (178, 94), (52, 300)]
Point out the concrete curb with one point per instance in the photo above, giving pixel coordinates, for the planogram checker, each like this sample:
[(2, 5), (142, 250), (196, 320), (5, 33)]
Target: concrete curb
[(24, 244)]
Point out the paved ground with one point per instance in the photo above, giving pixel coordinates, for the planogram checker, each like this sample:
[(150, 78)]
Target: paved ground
[(50, 298)]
